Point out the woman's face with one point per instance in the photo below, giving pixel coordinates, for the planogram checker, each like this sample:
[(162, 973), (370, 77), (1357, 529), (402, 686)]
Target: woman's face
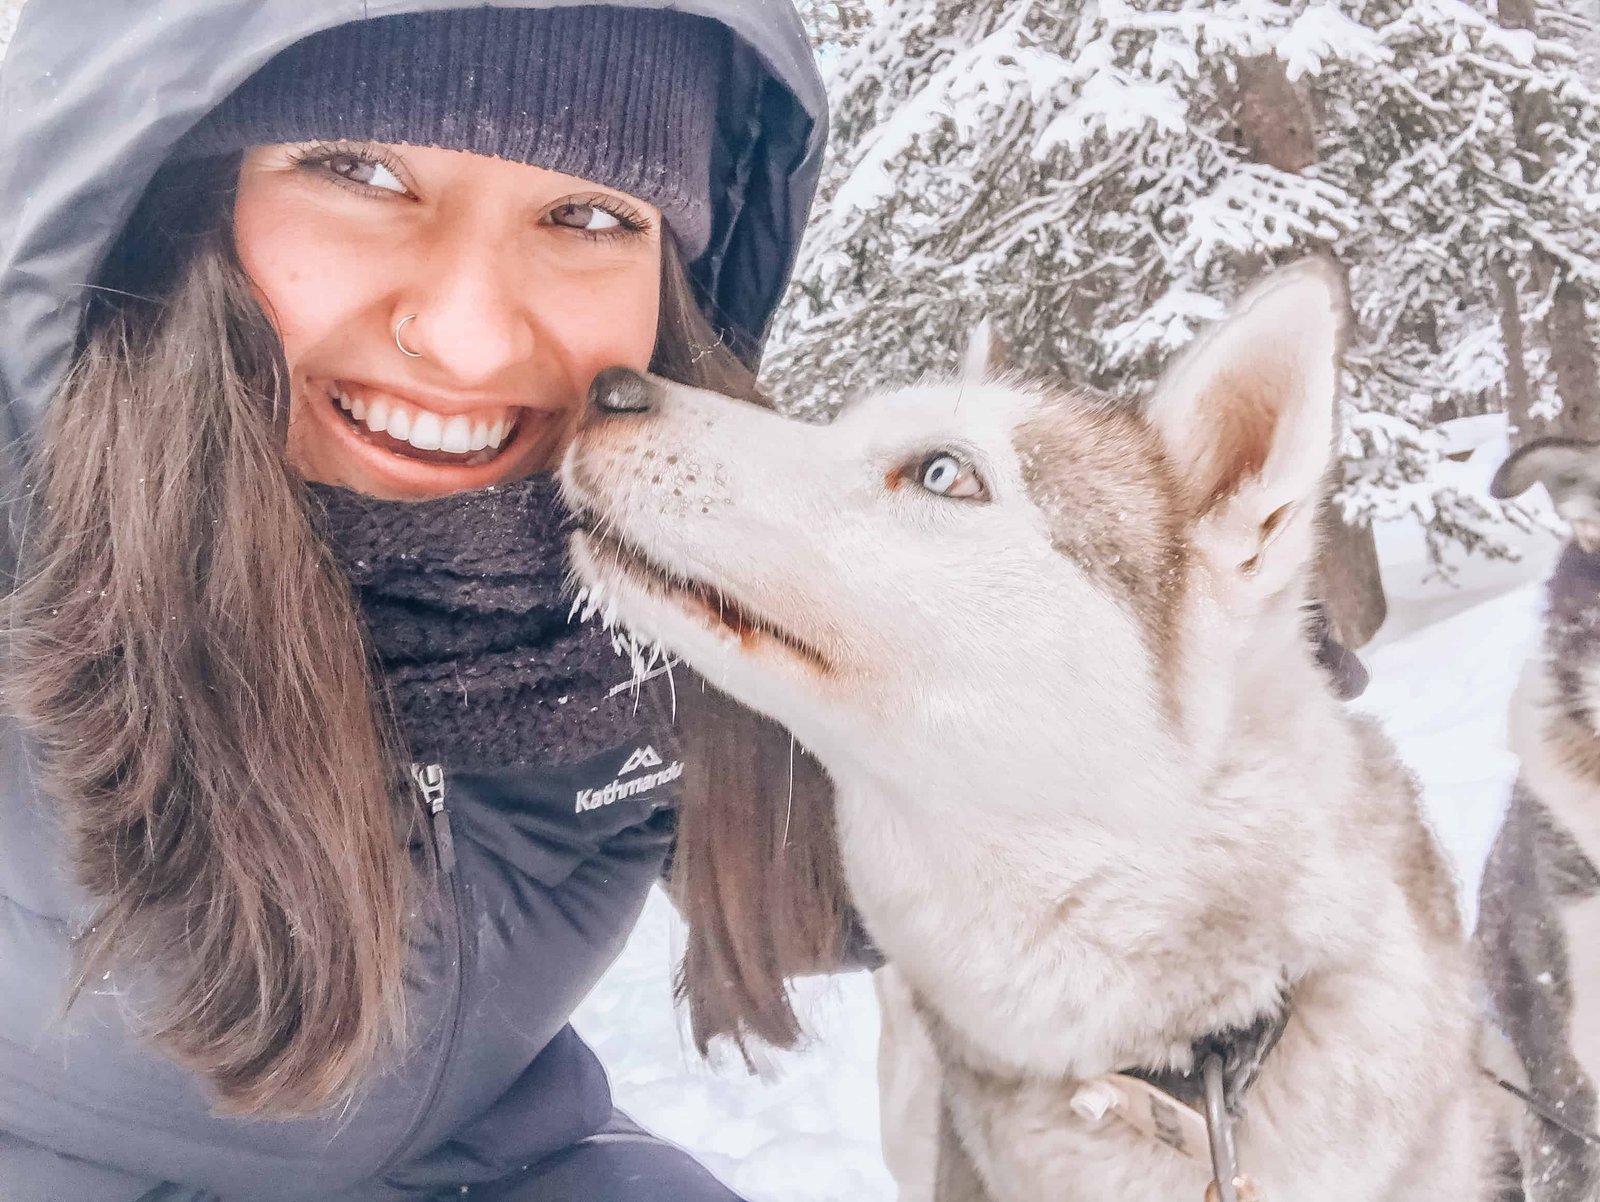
[(524, 283)]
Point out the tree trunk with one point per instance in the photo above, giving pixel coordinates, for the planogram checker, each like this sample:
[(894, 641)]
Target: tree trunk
[(1519, 396), (1567, 328), (1275, 123), (1572, 358), (1273, 116), (1349, 581)]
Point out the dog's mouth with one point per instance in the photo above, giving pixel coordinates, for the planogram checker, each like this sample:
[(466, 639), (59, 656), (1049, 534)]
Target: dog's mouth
[(707, 602)]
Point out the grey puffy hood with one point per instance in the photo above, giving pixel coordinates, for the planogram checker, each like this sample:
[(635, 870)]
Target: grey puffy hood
[(95, 94)]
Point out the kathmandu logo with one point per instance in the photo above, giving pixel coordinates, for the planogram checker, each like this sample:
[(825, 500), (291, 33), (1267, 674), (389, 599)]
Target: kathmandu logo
[(641, 760), (645, 757)]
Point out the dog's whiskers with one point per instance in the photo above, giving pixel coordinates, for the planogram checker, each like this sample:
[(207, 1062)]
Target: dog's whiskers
[(788, 812)]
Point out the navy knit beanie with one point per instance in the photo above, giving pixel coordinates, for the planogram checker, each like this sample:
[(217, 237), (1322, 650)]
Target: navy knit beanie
[(624, 97)]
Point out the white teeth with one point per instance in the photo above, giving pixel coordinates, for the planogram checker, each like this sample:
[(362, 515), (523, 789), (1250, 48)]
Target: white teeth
[(399, 423), (457, 436), (427, 432)]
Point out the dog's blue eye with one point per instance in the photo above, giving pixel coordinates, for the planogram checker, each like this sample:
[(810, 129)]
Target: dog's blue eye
[(947, 475), (941, 473)]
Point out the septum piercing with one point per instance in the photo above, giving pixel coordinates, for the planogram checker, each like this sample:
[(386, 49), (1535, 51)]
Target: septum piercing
[(409, 354)]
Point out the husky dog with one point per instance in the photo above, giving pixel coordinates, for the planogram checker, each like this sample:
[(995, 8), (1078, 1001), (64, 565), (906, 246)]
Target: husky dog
[(1096, 803), (1539, 921)]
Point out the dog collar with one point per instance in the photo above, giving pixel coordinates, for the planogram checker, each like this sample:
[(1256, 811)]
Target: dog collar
[(1243, 1050), (1193, 1112)]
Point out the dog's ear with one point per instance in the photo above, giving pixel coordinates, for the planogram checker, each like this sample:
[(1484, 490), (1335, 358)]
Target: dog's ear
[(1570, 472), (1247, 419), (985, 354)]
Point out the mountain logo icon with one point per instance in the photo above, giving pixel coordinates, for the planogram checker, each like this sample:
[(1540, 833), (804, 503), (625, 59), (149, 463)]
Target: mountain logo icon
[(645, 757)]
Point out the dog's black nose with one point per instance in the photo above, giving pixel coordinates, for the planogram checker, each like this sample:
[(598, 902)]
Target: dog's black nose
[(622, 390)]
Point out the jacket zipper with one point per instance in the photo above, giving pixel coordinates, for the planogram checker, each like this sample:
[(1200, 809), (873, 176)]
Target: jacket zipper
[(431, 785), (430, 780)]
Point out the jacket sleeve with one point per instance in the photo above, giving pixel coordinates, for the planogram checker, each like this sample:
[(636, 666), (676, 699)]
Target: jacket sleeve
[(620, 1163), (35, 1174)]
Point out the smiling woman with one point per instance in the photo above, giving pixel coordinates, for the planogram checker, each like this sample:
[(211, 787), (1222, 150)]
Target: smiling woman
[(526, 283), (301, 753)]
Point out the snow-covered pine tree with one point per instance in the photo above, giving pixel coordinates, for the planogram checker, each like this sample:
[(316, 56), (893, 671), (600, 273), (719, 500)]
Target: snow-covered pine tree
[(1586, 13), (1478, 235), (834, 24), (1082, 175), (1544, 144)]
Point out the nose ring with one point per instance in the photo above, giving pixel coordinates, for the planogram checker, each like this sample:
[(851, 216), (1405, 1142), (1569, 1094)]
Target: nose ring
[(404, 350)]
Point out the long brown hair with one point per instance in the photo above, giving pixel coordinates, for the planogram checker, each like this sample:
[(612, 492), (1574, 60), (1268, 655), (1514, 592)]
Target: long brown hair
[(196, 671), (756, 871)]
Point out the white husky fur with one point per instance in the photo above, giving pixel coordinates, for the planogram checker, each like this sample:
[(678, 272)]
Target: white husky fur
[(1094, 798)]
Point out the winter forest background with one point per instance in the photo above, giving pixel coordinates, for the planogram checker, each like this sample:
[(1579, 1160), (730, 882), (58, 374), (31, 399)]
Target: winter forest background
[(1100, 178)]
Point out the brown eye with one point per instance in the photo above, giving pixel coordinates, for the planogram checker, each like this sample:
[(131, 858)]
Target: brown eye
[(368, 172), (590, 218), (948, 475)]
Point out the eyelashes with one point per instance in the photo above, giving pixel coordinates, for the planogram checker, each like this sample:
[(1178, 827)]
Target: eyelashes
[(321, 157), (629, 221), (341, 164)]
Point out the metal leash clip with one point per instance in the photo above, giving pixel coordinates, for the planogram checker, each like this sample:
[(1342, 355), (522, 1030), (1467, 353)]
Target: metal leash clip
[(1227, 1183), (1157, 1114)]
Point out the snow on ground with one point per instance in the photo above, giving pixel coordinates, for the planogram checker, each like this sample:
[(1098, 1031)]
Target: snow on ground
[(1441, 688), (806, 1133), (1443, 669)]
